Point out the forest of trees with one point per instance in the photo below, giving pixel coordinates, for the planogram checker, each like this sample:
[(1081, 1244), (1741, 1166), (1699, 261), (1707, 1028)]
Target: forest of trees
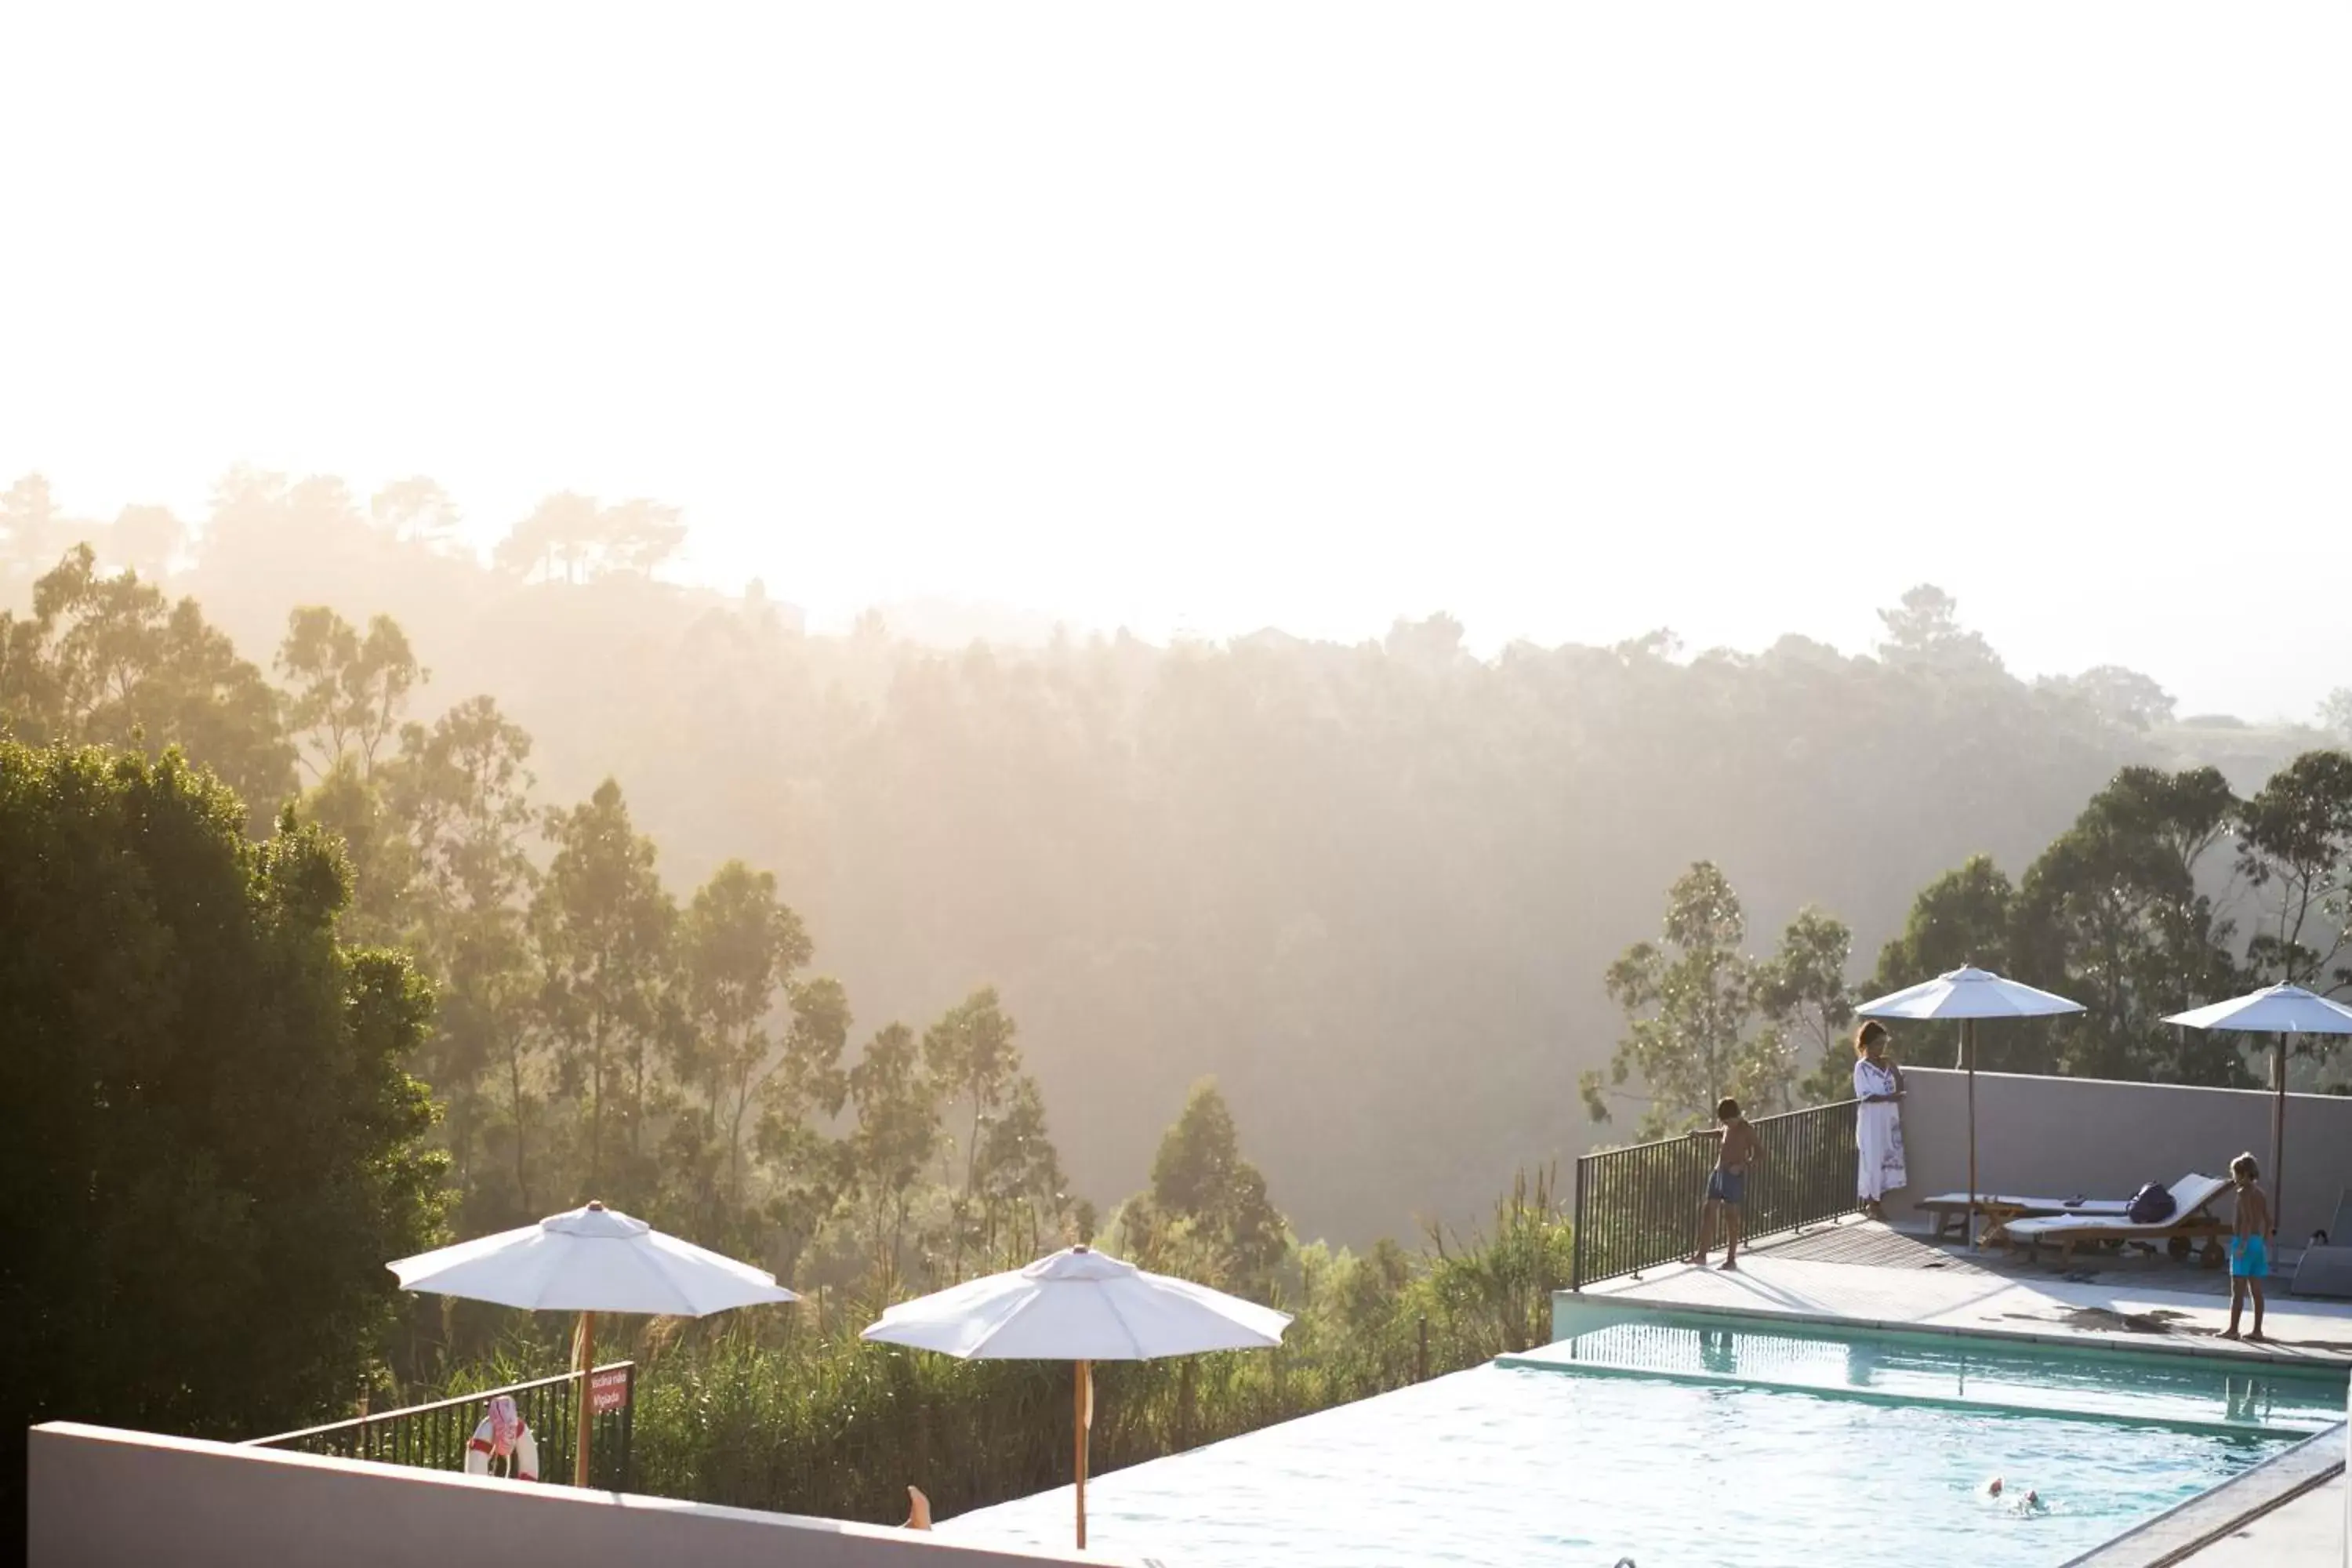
[(2166, 893), (593, 1034), (521, 882), (214, 1132), (1328, 876)]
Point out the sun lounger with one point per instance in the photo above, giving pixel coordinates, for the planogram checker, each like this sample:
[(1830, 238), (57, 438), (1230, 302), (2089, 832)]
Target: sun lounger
[(2327, 1271), (2191, 1197), (1950, 1210)]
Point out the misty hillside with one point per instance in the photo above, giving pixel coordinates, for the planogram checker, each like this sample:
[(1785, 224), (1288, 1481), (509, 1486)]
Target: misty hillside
[(1372, 890)]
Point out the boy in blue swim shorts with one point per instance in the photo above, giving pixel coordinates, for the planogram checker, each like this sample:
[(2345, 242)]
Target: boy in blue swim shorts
[(2250, 1253), (1727, 1185)]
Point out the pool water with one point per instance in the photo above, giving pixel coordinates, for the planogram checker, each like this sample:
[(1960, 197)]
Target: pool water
[(1967, 1372), (1524, 1465)]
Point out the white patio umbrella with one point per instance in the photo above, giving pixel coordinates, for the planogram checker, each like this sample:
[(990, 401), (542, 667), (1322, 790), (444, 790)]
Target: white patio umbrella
[(2281, 1012), (1084, 1305), (590, 1260), (1968, 994)]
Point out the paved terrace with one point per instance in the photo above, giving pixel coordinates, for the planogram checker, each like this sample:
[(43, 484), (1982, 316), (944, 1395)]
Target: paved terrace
[(1859, 1272)]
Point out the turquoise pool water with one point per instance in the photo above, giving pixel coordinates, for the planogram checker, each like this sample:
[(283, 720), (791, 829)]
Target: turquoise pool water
[(1529, 1465), (2183, 1392)]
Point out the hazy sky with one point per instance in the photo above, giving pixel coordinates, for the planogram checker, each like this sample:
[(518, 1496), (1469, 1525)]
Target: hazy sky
[(1571, 320)]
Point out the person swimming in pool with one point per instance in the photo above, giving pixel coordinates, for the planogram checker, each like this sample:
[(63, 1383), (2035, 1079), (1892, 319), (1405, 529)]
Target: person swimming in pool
[(2029, 1503), (2250, 1259)]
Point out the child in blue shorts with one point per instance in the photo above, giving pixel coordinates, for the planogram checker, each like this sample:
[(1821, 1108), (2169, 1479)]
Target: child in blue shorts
[(2250, 1259), (1727, 1185)]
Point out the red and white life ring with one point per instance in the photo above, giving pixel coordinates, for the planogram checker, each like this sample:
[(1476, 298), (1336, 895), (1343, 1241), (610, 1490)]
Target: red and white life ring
[(522, 1463)]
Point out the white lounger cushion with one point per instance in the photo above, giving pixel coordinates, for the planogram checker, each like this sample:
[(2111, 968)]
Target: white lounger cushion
[(2324, 1271), (2190, 1195), (2032, 1205)]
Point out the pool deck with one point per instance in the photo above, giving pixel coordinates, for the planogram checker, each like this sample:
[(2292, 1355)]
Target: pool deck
[(1858, 1273), (2309, 1531)]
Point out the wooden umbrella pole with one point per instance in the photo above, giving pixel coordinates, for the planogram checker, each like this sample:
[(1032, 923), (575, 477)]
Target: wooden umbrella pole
[(580, 1420), (1969, 1055), (1082, 1418), (2278, 1129)]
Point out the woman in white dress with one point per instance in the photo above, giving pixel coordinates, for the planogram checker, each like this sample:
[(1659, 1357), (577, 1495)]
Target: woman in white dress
[(1878, 1134)]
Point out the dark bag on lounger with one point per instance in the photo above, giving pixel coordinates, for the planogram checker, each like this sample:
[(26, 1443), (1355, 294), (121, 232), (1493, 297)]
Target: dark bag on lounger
[(2150, 1205)]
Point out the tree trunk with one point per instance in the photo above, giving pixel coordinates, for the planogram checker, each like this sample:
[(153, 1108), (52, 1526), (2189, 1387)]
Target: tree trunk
[(514, 1088)]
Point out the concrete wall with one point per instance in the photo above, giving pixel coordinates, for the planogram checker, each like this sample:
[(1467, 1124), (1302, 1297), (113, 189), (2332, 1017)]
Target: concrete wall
[(106, 1497), (2057, 1137)]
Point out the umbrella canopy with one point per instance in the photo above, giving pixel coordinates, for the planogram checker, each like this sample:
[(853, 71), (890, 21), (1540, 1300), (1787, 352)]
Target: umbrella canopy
[(591, 1259), (2276, 1010), (1079, 1305), (2281, 1010), (1968, 993)]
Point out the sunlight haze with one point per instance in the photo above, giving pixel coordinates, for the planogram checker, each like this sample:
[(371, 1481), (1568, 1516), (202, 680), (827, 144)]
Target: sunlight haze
[(1573, 322)]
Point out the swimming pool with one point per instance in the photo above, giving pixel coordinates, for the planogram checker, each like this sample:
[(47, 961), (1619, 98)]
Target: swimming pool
[(1739, 1450)]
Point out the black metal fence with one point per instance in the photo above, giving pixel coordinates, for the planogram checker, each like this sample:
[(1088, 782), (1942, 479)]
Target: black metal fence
[(435, 1437), (1638, 1207)]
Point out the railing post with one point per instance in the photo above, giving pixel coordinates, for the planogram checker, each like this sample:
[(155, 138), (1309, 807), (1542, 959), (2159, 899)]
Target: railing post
[(1577, 1231)]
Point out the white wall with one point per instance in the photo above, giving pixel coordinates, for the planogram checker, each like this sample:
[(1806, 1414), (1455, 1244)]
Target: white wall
[(2061, 1136), (106, 1497)]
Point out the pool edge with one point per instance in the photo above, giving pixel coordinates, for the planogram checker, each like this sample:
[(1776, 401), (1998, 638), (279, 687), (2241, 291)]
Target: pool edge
[(1885, 1399), (2187, 1528), (1575, 1312)]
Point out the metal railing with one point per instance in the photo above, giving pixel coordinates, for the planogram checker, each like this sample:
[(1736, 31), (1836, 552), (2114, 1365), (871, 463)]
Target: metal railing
[(435, 1437), (1638, 1207)]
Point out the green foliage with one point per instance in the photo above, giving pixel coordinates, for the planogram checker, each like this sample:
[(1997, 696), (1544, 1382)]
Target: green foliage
[(110, 661), (741, 947), (462, 788), (348, 691), (1802, 992), (789, 1410), (605, 926), (415, 512), (2123, 698), (572, 535), (2336, 715), (1925, 633), (351, 806), (898, 1128), (212, 1141), (807, 1172), (1960, 919), (2121, 914), (1692, 1001), (1496, 1292), (2111, 914), (2295, 846), (1208, 1216), (1386, 859), (1009, 1164), (1389, 859)]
